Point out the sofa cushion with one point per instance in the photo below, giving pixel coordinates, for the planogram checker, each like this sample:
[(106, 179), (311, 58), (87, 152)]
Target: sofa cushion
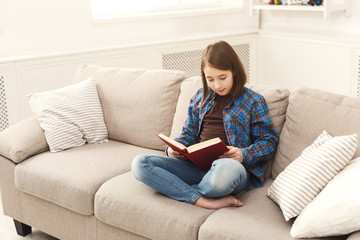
[(72, 177), (311, 111), (139, 209), (137, 103), (70, 116), (259, 218)]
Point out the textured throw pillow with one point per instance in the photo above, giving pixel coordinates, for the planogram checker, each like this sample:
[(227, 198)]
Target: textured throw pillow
[(307, 175), (335, 211), (70, 116)]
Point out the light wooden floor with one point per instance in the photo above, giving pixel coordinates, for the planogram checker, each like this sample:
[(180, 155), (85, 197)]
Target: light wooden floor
[(8, 232)]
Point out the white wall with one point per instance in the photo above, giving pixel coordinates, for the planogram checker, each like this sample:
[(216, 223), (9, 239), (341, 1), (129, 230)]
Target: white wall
[(313, 22), (301, 49), (43, 27), (42, 43)]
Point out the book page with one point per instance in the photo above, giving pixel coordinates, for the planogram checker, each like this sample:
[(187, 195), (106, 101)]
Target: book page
[(204, 144), (171, 141)]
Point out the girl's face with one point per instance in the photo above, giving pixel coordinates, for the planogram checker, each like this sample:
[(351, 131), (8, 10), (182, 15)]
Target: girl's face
[(220, 81)]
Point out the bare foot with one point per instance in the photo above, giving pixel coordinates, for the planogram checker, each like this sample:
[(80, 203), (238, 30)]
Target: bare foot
[(217, 203)]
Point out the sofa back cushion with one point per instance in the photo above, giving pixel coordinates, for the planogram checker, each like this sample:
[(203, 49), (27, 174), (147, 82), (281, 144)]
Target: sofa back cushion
[(137, 103), (311, 111), (187, 89)]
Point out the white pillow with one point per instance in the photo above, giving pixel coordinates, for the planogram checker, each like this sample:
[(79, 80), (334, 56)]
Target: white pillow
[(335, 211), (70, 116), (307, 175)]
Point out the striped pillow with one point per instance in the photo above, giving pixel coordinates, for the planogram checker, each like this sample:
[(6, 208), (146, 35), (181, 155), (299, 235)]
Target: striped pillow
[(307, 175), (335, 211), (70, 116)]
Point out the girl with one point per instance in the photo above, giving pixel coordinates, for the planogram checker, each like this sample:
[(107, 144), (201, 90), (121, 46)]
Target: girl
[(223, 108)]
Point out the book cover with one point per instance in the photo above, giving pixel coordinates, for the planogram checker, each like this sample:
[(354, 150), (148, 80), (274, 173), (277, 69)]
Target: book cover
[(201, 154)]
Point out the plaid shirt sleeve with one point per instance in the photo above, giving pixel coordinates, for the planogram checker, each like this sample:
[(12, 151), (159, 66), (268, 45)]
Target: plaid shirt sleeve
[(263, 135), (262, 142)]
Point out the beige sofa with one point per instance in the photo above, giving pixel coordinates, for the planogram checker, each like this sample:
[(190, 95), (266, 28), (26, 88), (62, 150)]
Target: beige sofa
[(89, 192)]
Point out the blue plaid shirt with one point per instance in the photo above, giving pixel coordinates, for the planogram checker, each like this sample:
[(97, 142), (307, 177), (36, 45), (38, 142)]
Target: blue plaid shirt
[(247, 126)]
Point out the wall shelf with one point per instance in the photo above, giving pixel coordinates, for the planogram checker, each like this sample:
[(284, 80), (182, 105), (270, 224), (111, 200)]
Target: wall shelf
[(326, 9)]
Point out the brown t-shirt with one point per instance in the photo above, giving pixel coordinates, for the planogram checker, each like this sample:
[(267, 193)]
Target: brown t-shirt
[(213, 122)]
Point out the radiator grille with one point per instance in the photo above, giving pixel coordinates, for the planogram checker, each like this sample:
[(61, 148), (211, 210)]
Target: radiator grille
[(357, 67), (189, 61), (4, 118)]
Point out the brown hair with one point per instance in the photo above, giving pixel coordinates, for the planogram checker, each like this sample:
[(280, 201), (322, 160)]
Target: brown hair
[(222, 56)]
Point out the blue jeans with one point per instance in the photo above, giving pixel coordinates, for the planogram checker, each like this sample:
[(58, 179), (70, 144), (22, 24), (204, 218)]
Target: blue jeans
[(183, 181)]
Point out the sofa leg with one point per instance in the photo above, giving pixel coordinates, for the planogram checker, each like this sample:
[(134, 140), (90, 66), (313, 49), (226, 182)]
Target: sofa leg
[(21, 228)]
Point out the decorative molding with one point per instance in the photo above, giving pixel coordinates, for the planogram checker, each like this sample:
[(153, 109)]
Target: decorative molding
[(307, 35), (230, 34)]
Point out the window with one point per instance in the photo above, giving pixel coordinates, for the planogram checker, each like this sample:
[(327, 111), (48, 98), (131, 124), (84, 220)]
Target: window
[(111, 9)]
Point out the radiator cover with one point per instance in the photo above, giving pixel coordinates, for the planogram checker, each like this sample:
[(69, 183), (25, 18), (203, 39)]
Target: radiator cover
[(4, 118), (190, 61)]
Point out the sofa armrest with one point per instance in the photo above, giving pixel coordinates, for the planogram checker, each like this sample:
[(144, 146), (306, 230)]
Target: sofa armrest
[(22, 140), (354, 236)]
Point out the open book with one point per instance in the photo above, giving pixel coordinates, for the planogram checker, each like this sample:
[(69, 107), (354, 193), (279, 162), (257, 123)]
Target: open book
[(201, 154)]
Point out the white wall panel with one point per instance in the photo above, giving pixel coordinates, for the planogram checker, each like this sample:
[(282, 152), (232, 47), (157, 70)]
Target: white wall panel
[(299, 48), (300, 62)]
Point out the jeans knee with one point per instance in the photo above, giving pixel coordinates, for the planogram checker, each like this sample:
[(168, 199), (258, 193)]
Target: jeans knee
[(227, 165), (228, 171), (137, 166), (225, 176)]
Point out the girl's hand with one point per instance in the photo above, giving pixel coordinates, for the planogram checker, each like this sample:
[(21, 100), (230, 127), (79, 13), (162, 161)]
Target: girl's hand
[(175, 154), (234, 153)]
